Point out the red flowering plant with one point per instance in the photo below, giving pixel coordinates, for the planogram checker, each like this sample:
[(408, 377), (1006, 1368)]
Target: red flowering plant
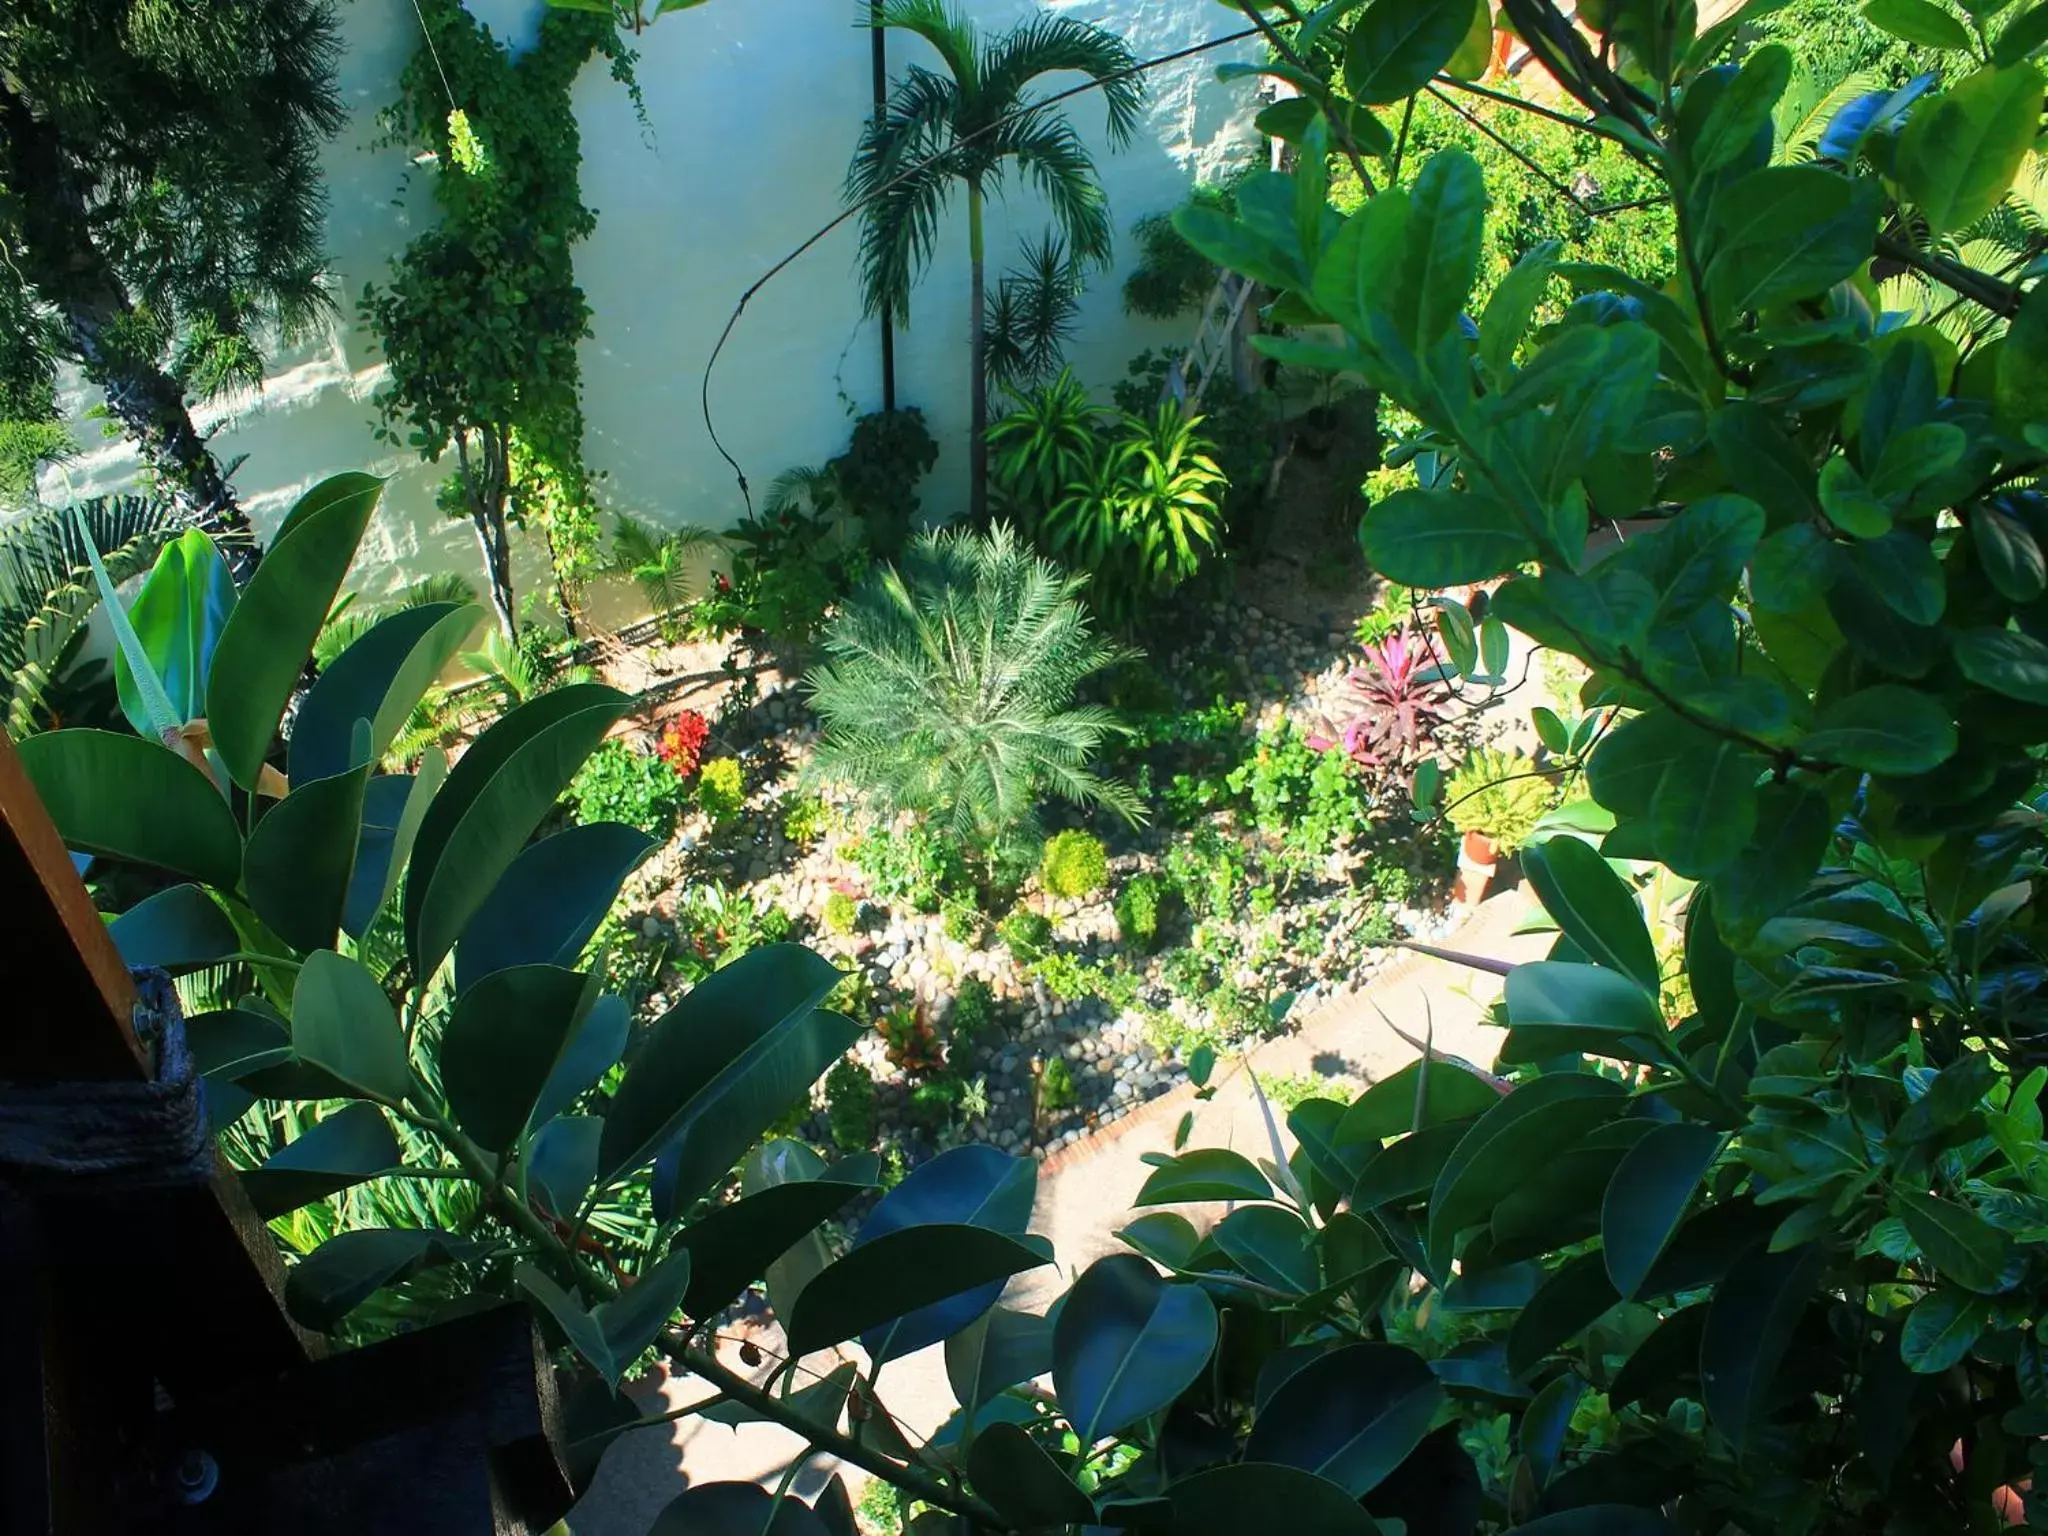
[(1399, 697), (682, 742)]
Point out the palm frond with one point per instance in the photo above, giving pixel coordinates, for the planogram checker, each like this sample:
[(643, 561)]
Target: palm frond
[(1809, 105), (662, 562), (903, 177), (950, 33), (1051, 44), (1054, 161)]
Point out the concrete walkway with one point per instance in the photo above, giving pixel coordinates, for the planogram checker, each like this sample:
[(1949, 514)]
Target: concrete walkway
[(1084, 1196)]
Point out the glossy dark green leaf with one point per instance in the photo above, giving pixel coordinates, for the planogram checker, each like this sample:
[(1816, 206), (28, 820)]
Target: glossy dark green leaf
[(902, 1272), (1902, 569), (344, 1149), (1001, 1349), (1314, 1124), (1397, 46), (1941, 1328), (1765, 464), (1439, 1090), (1165, 1236), (1666, 1365), (2022, 35), (1743, 110), (1559, 1203), (1243, 1496), (264, 645), (495, 796), (1630, 763), (1537, 1120), (1506, 319), (716, 1027), (591, 1052), (561, 1163), (734, 1509), (1540, 1435), (1024, 1483), (973, 1185), (1443, 538), (1271, 1245), (618, 1331), (1601, 1520), (1592, 906), (1955, 1239), (1562, 1007), (1788, 232), (1441, 243), (1887, 729), (1648, 1196), (342, 1023), (1792, 569), (1207, 1173), (1704, 810), (177, 617), (234, 1041), (1961, 150), (502, 1043), (1792, 829), (733, 1246), (823, 1401), (380, 678), (1409, 1166), (1918, 21), (1126, 1344), (121, 797), (301, 859), (2004, 661), (389, 819), (546, 906), (174, 930), (343, 1272), (1750, 1324), (1351, 1415), (2009, 554), (1570, 1301)]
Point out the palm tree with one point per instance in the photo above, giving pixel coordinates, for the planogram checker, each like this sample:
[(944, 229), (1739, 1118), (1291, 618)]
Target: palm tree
[(950, 690), (965, 129)]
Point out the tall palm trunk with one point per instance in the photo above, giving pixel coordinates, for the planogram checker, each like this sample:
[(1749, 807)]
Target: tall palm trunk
[(977, 333)]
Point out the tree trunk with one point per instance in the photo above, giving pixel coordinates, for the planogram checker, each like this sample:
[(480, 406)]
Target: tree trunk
[(70, 272), (977, 333), (486, 485)]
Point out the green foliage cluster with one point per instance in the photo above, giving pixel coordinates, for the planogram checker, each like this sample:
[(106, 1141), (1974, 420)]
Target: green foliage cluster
[(1027, 933), (1075, 864), (1138, 907), (1311, 798), (806, 819), (619, 782), (790, 565), (1131, 500), (1499, 795), (1240, 426), (909, 864), (842, 913), (970, 737), (973, 1012), (1171, 278), (721, 791), (871, 488), (1057, 1090), (850, 1106)]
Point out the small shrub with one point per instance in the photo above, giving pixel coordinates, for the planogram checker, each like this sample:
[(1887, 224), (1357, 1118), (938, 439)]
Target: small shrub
[(910, 866), (842, 913), (1057, 1090), (1027, 933), (1498, 795), (881, 1508), (721, 791), (973, 1012), (962, 922), (934, 1105), (1076, 864), (1137, 910), (1286, 1092), (621, 783), (850, 1106), (913, 1044), (807, 819)]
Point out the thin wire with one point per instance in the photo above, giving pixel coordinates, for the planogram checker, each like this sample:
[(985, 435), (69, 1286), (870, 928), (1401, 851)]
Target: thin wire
[(733, 320), (435, 54)]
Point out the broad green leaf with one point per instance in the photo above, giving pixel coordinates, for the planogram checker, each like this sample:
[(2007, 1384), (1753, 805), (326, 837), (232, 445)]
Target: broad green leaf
[(1941, 1328), (732, 1246), (342, 1023), (1126, 1344), (618, 1331), (174, 930), (1355, 276), (1788, 232), (1763, 463), (1743, 109), (1269, 1244), (1955, 1239), (507, 780), (1666, 1365), (1398, 46), (344, 1149), (1918, 21), (1559, 1007), (1850, 504), (1536, 1121), (301, 859), (823, 1402), (343, 1272), (1961, 150), (1749, 1326), (561, 1163), (1475, 53), (1443, 538), (1166, 1237), (394, 805), (551, 899), (1409, 1167), (233, 1041), (380, 679), (1592, 906), (592, 1051), (178, 617), (1440, 246), (119, 796), (1648, 1196), (1207, 1173), (1001, 1349), (1246, 1496), (733, 1508), (1607, 1519), (1887, 729), (1914, 455), (1902, 569), (903, 1272), (971, 1185), (502, 1043), (1559, 1202), (2007, 552), (1023, 1482), (2021, 36), (263, 648), (1629, 764), (2004, 661), (1351, 1415), (1695, 559), (1540, 1435), (1575, 1296), (1705, 809)]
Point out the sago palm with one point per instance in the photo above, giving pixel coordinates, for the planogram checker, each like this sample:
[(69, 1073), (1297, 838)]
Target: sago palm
[(965, 130), (950, 689)]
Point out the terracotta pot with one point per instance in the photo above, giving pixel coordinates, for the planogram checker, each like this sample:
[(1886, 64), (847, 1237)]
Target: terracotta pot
[(1477, 857)]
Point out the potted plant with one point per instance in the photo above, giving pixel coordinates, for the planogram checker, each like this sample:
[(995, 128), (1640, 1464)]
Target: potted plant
[(1494, 799)]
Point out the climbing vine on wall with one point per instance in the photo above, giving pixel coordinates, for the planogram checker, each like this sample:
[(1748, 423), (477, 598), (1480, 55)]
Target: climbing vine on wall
[(481, 316)]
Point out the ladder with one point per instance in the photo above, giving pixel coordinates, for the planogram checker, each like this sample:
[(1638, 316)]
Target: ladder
[(1214, 342)]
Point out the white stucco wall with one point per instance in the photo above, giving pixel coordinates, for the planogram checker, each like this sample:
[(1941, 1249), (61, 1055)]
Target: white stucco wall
[(754, 107)]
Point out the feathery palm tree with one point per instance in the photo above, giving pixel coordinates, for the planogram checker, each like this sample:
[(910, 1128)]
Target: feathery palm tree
[(973, 124), (950, 689)]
